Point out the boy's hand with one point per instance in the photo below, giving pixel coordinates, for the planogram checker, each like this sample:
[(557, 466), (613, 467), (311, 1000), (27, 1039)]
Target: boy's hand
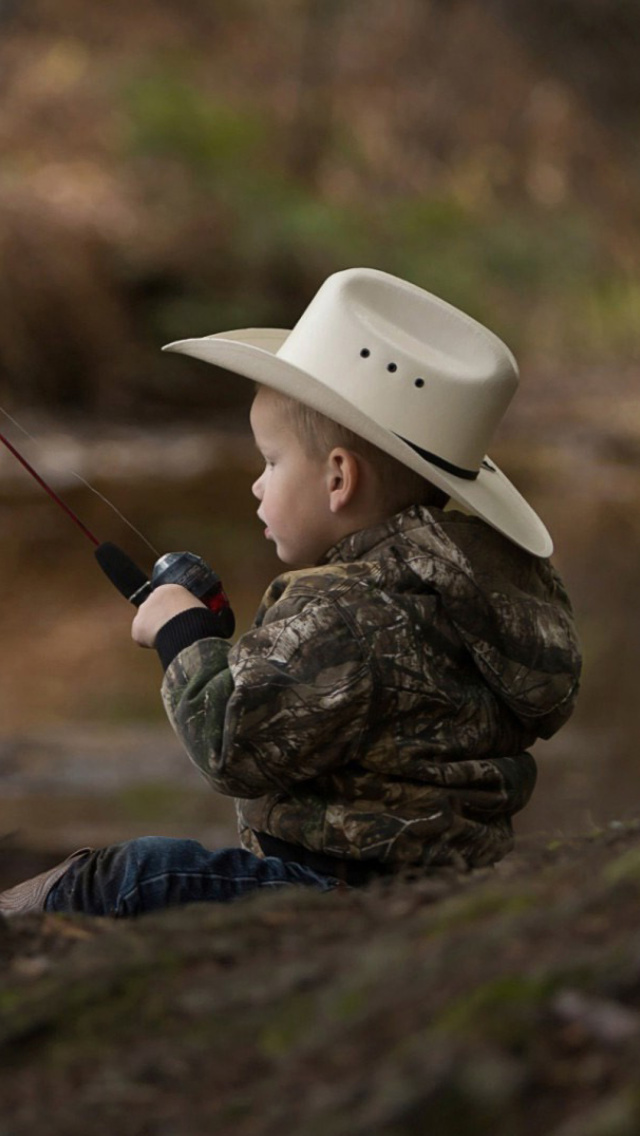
[(161, 606)]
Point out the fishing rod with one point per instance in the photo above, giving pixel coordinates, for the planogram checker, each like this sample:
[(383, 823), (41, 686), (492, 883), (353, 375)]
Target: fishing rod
[(184, 568), (83, 481), (48, 489)]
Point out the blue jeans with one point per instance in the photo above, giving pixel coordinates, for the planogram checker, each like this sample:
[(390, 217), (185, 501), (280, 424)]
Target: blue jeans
[(154, 872)]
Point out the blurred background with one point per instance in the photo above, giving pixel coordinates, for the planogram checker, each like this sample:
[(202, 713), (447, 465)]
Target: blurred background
[(173, 169)]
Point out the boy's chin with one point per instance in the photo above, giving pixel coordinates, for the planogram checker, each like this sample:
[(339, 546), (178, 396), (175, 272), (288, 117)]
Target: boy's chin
[(295, 562)]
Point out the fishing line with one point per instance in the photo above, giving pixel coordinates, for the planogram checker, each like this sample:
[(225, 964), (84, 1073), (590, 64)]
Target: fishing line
[(40, 447), (182, 568)]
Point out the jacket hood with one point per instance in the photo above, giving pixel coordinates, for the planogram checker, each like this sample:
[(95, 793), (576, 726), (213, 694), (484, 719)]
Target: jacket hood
[(510, 609)]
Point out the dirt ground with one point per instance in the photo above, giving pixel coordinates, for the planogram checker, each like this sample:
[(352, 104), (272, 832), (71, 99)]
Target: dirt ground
[(506, 1001)]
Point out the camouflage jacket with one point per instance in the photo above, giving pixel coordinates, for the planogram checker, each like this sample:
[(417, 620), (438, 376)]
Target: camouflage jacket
[(380, 705)]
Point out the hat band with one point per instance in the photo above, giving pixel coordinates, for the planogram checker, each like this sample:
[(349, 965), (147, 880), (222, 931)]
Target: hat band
[(441, 463)]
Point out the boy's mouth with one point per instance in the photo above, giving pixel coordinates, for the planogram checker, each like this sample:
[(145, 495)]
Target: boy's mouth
[(268, 535)]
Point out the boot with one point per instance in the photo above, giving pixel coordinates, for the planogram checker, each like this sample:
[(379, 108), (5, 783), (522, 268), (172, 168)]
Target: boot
[(30, 896)]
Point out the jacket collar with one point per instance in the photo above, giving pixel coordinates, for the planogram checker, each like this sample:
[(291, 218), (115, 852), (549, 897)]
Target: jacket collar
[(358, 544)]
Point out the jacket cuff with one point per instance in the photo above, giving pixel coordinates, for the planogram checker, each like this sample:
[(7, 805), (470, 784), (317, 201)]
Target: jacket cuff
[(183, 630)]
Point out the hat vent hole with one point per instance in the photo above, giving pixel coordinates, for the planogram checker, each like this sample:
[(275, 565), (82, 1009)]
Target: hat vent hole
[(419, 383), (392, 367), (365, 353)]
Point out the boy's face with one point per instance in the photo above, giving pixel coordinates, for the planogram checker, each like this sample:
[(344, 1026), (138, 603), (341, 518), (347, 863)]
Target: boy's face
[(293, 488)]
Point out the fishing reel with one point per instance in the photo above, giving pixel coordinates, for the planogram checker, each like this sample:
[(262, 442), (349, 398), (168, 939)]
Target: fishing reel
[(183, 568)]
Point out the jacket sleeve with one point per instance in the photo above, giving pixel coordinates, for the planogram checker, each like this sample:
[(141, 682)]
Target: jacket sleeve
[(288, 702)]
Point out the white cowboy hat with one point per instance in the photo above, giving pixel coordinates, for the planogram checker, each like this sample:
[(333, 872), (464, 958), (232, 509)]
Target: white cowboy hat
[(403, 369)]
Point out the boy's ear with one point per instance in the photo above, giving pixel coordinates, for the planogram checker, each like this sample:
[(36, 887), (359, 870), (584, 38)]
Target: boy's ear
[(342, 477)]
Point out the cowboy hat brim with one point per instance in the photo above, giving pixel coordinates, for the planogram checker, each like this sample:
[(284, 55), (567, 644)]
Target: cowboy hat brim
[(252, 354)]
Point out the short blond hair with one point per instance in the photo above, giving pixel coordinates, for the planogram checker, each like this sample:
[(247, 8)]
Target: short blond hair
[(399, 486)]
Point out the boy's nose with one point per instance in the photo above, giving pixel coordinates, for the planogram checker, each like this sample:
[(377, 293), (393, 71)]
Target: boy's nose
[(256, 488)]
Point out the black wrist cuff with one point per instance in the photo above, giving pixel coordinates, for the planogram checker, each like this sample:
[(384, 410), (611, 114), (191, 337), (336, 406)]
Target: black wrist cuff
[(183, 630)]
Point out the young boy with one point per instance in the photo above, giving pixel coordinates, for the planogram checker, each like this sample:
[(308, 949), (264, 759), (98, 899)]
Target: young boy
[(376, 716)]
